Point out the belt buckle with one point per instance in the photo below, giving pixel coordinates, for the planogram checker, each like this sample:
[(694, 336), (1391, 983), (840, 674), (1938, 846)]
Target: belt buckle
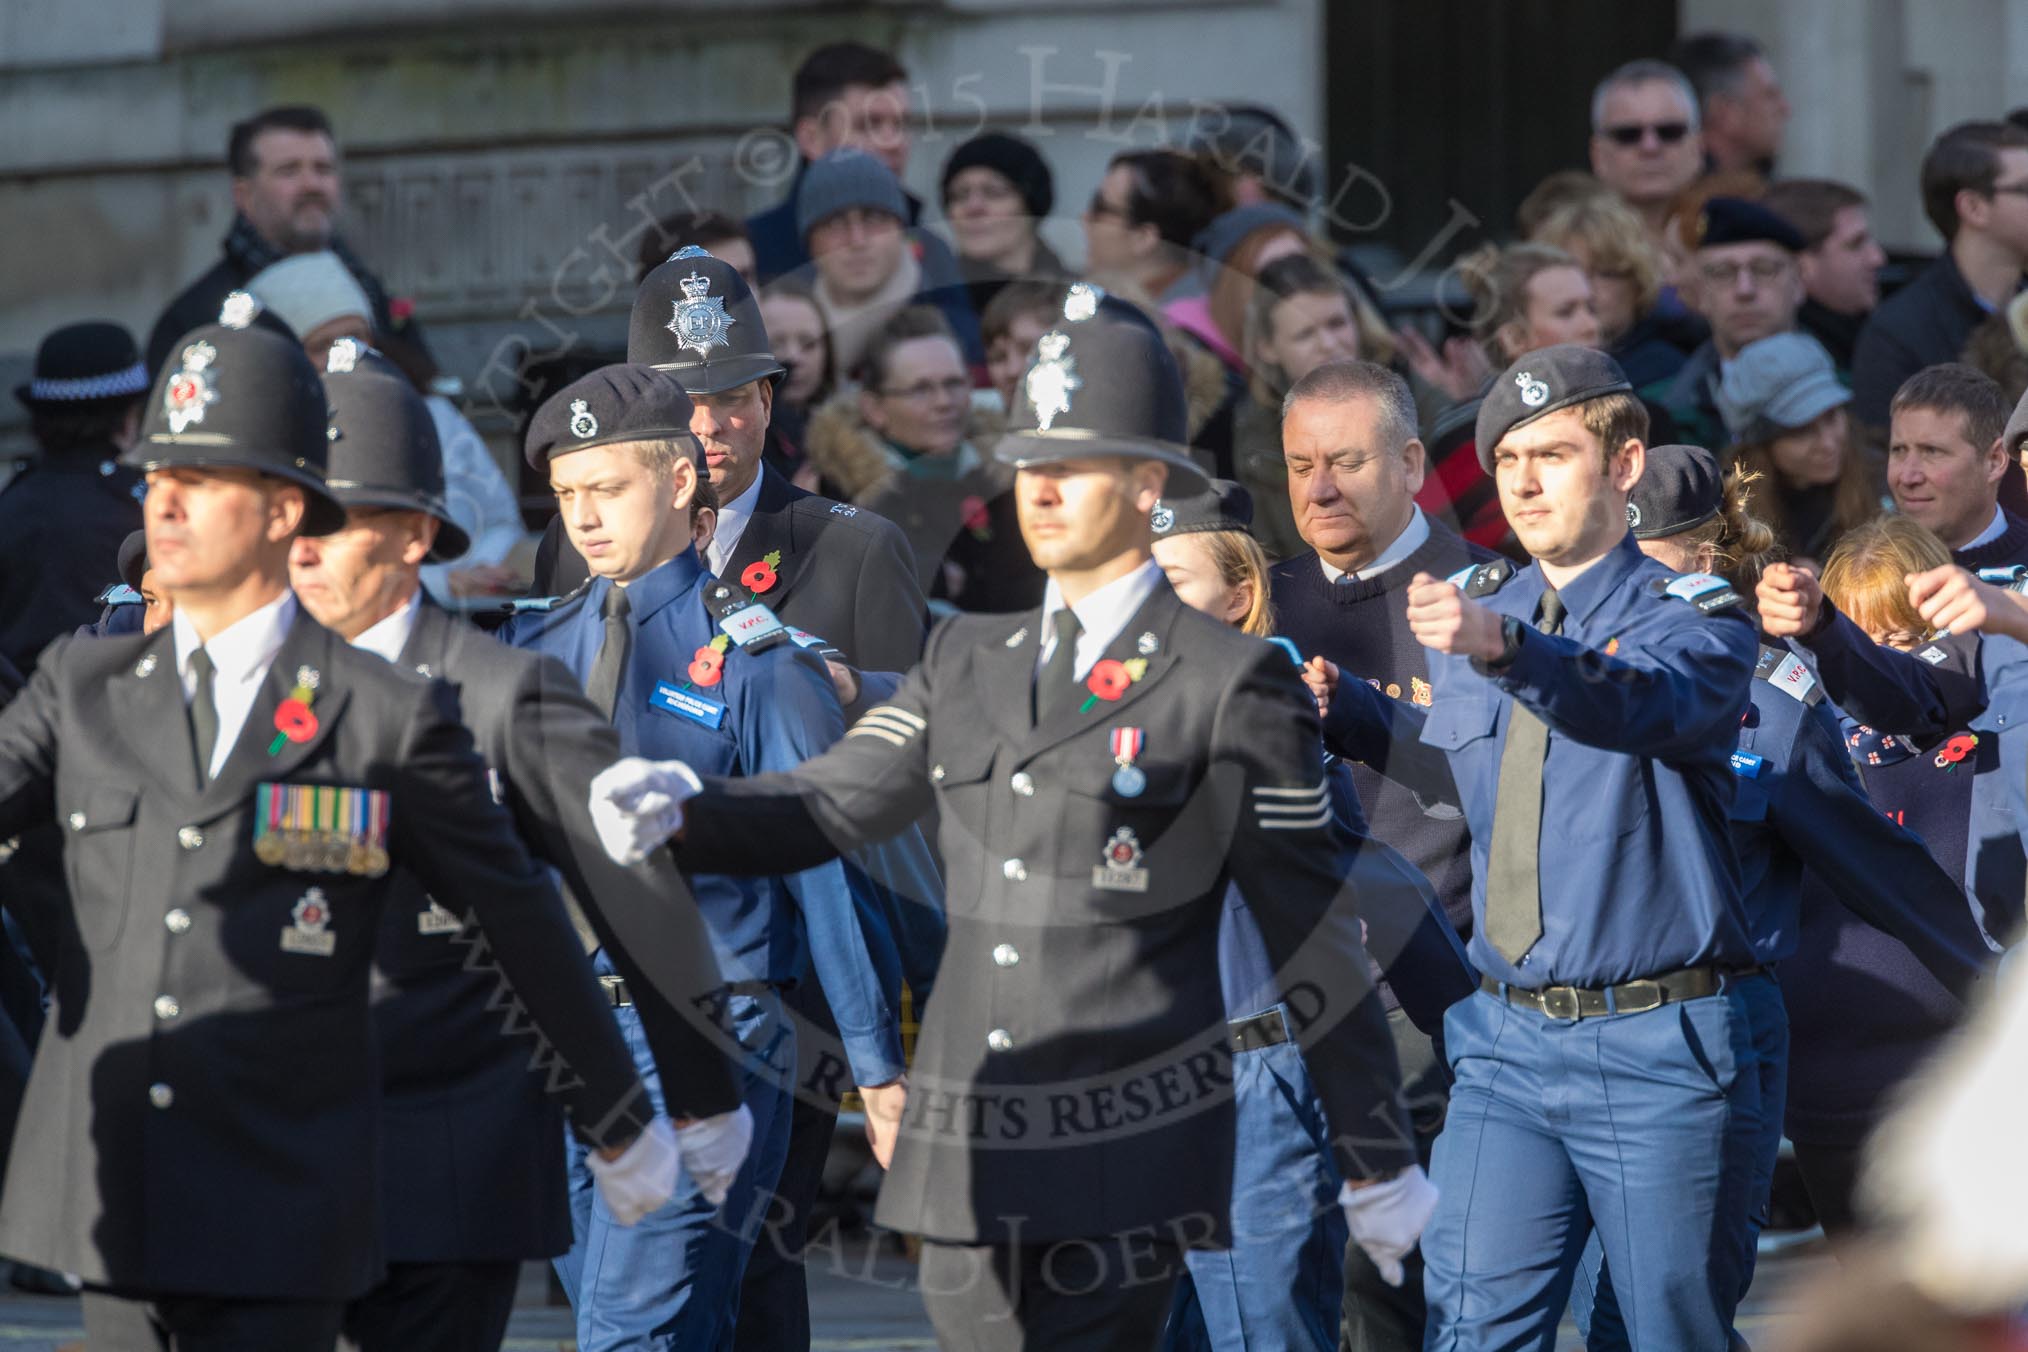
[(1649, 992), (1560, 1002)]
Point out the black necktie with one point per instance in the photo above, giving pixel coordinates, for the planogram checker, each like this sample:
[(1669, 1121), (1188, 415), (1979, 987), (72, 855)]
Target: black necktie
[(603, 685), (203, 714), (1057, 681), (1513, 877)]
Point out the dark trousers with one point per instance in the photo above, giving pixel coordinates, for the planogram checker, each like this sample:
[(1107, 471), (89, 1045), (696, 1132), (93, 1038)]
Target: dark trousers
[(774, 1295), (1109, 1294), (445, 1307), (1378, 1317), (1830, 1175), (175, 1323)]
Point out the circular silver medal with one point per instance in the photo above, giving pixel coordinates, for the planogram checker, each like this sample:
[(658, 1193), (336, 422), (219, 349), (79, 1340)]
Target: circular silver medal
[(1128, 781)]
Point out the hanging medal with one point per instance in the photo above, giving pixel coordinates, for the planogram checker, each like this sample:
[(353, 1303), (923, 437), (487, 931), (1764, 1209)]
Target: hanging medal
[(1129, 780)]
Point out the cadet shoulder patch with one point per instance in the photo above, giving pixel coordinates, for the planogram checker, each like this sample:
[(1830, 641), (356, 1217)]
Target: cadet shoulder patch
[(1482, 579), (1789, 674), (1708, 593), (1934, 655)]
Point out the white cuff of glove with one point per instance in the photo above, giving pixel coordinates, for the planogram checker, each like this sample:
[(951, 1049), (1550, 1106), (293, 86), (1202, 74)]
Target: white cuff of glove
[(637, 804), (642, 1178), (714, 1148), (1387, 1219)]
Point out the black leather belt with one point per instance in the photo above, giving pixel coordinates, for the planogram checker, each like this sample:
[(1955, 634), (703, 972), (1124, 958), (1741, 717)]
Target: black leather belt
[(616, 989), (1257, 1032), (1630, 997)]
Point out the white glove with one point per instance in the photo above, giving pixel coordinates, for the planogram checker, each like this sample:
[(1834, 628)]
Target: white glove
[(637, 804), (714, 1148), (1387, 1218), (643, 1177)]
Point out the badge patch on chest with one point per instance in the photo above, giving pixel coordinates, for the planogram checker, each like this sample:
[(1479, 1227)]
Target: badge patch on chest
[(1746, 764), (311, 933), (670, 700), (1120, 867)]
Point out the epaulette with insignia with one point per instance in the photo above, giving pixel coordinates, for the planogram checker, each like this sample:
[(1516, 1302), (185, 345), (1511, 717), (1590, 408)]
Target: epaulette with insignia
[(1789, 674), (743, 617), (119, 594), (2014, 579), (1482, 579), (1708, 593)]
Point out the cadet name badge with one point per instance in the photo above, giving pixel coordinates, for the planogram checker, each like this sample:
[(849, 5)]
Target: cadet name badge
[(321, 828), (670, 699), (311, 931)]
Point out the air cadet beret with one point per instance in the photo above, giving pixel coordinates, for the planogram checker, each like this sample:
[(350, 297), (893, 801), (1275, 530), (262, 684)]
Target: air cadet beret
[(1680, 490), (1541, 382), (1735, 220), (84, 366), (134, 558), (1103, 384), (2017, 428), (242, 398), (844, 179), (1225, 505), (623, 402), (695, 317), (384, 446)]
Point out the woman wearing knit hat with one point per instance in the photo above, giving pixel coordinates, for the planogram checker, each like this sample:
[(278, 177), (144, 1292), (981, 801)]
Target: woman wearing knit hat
[(318, 299), (997, 190)]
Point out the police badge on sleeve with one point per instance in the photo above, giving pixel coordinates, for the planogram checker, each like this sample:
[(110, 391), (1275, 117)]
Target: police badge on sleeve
[(311, 932), (1120, 867)]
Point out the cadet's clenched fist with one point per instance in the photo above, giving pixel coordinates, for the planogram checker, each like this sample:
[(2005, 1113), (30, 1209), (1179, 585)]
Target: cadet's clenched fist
[(1444, 619)]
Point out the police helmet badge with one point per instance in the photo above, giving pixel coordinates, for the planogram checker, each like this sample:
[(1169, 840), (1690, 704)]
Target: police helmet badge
[(1050, 382), (189, 391), (700, 320), (583, 425), (1534, 393), (239, 310), (344, 356)]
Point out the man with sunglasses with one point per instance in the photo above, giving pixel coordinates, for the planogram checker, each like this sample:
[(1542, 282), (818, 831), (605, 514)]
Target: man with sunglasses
[(1975, 192), (1646, 143), (1744, 280)]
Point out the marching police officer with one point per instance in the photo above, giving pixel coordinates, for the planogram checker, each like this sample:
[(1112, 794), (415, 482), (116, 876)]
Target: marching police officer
[(198, 1141), (1797, 803), (1586, 708), (473, 1152), (685, 664), (63, 515), (1101, 767)]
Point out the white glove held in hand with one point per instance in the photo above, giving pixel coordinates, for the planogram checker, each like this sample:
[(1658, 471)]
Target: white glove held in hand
[(714, 1148), (642, 1178), (1387, 1218), (637, 804)]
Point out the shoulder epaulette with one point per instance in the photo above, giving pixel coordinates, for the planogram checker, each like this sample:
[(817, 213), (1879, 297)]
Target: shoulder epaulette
[(1482, 579), (1789, 674), (119, 594), (1709, 593), (2013, 579)]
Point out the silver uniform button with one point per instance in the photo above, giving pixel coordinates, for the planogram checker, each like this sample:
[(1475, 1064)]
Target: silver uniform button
[(1014, 871), (1000, 1040), (178, 921), (77, 821), (190, 838), (161, 1095), (937, 773), (1023, 784), (1006, 955), (166, 1007)]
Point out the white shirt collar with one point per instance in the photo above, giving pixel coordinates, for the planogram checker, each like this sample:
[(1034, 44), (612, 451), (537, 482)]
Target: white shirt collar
[(243, 650), (732, 519), (1992, 532), (388, 637), (1413, 536), (1100, 616)]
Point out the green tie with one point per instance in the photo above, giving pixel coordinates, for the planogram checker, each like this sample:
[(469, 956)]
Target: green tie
[(203, 714), (1057, 682), (1513, 879)]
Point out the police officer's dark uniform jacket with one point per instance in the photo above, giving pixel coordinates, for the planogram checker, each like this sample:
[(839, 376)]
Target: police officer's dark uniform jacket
[(472, 1145), (832, 569), (1072, 1075), (203, 1112)]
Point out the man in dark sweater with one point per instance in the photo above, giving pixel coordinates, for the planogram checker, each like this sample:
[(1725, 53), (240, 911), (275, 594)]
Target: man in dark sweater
[(1354, 466), (1945, 461), (1975, 192)]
